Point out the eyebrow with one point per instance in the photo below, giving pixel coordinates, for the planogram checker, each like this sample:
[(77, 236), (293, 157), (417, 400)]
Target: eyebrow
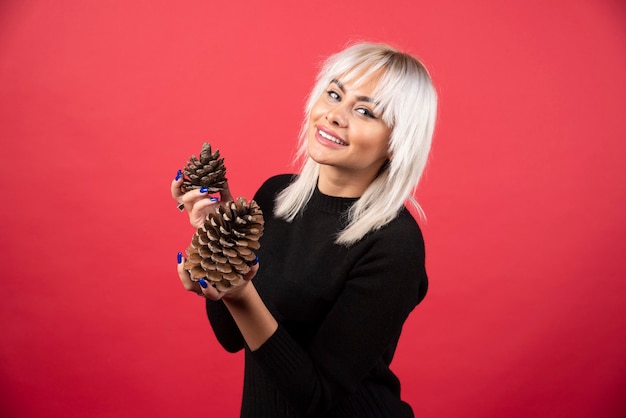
[(359, 98)]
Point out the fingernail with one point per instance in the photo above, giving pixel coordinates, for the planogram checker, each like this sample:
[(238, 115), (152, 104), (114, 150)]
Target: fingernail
[(255, 261), (179, 258), (214, 199), (204, 190), (178, 174), (203, 283)]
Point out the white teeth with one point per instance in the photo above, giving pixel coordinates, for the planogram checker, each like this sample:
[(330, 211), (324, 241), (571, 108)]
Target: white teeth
[(331, 138)]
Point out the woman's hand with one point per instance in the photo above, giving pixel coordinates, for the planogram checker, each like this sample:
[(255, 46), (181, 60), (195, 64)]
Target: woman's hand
[(198, 203), (204, 287), (252, 317)]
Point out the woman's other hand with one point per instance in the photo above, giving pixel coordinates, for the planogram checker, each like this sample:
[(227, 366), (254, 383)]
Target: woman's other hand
[(198, 203)]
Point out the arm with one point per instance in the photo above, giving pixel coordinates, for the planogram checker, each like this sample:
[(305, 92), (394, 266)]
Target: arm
[(252, 317), (224, 327)]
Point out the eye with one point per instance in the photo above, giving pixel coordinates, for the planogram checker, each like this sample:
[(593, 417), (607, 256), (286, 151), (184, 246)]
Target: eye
[(366, 112), (333, 95)]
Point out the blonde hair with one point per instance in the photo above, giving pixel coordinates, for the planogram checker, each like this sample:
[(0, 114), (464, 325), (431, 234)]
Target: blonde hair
[(408, 101)]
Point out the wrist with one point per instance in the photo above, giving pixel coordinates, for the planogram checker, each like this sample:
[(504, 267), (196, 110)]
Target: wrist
[(236, 296)]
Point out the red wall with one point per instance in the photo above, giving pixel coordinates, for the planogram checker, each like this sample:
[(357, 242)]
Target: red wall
[(101, 103)]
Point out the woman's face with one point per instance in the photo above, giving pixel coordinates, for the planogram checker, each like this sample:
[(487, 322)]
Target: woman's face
[(346, 134)]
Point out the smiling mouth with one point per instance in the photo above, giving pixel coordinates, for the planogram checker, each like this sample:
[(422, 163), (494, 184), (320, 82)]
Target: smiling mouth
[(331, 138)]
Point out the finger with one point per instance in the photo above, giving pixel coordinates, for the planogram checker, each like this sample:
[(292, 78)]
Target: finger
[(209, 291), (189, 199), (175, 187), (192, 196), (201, 208), (184, 276), (200, 287)]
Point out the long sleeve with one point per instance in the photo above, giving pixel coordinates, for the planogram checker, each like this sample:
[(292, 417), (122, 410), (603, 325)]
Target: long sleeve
[(224, 326)]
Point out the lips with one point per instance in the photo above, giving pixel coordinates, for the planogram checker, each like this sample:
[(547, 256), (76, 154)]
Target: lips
[(327, 136)]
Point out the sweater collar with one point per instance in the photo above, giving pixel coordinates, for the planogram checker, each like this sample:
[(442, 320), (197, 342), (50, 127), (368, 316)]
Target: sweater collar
[(330, 204)]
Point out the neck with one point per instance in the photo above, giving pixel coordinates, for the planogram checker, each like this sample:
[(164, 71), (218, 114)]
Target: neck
[(337, 183)]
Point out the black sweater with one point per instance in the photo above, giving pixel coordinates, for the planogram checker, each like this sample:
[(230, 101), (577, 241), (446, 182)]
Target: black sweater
[(340, 312)]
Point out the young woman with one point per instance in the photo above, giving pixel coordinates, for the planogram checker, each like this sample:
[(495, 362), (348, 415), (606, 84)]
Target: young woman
[(341, 259)]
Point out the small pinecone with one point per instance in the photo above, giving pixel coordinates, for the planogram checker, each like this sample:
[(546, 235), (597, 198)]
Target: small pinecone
[(208, 171), (223, 247)]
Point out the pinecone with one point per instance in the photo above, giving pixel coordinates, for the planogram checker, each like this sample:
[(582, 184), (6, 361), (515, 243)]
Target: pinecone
[(208, 171), (223, 247)]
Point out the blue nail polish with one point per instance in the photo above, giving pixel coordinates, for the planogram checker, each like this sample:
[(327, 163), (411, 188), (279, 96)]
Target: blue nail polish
[(179, 258), (204, 190), (203, 283), (255, 261), (214, 199), (178, 174)]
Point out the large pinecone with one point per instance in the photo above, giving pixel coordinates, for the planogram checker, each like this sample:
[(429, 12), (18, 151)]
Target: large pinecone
[(223, 248), (207, 171)]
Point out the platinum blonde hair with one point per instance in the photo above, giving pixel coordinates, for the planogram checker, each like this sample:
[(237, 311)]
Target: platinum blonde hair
[(408, 101)]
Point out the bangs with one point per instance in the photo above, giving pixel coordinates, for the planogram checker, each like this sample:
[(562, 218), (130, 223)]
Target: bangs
[(398, 88), (396, 84)]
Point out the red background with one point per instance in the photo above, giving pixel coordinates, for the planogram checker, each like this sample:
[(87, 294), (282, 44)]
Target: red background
[(101, 103)]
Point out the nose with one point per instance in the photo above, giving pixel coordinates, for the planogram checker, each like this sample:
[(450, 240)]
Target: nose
[(337, 116)]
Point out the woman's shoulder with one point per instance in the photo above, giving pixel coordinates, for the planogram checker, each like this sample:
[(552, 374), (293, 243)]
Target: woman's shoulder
[(275, 184), (266, 194), (401, 234), (406, 222)]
